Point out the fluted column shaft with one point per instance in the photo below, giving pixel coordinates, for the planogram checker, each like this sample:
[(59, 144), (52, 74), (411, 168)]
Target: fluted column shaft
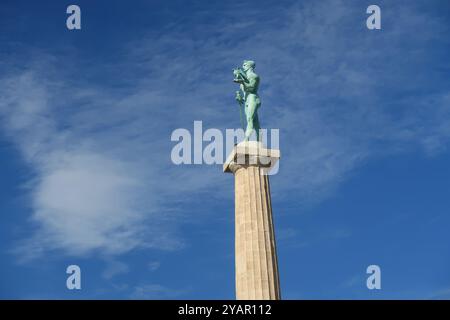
[(256, 257)]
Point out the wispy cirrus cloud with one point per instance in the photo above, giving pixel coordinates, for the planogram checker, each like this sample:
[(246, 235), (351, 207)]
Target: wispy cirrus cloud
[(156, 291), (115, 268), (83, 197)]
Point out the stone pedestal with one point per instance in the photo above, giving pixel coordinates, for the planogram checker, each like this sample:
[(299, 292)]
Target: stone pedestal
[(256, 256)]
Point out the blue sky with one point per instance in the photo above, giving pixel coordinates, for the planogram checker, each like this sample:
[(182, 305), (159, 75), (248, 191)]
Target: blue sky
[(85, 124)]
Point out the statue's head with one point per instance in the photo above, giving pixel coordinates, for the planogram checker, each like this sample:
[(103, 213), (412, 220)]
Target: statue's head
[(248, 64)]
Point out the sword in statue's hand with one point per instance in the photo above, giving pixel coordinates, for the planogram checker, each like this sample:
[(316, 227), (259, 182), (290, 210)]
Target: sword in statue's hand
[(240, 100)]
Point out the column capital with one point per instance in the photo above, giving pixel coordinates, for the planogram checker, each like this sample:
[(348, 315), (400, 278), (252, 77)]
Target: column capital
[(251, 153)]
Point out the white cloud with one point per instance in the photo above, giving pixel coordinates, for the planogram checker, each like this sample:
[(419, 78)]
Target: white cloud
[(88, 201)]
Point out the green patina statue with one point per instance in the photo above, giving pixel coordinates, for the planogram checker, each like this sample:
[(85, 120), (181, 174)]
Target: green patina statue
[(250, 102)]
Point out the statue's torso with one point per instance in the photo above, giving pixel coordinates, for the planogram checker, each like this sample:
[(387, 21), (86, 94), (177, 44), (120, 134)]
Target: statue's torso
[(252, 86), (251, 90)]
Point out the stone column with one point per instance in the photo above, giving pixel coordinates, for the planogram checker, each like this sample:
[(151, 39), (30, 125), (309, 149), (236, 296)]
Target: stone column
[(255, 250)]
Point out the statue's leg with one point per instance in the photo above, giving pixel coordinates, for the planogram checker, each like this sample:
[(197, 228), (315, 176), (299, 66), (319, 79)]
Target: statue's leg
[(250, 114), (256, 125)]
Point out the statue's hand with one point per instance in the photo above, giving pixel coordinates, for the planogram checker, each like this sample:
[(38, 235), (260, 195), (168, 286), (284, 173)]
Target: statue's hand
[(239, 76)]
